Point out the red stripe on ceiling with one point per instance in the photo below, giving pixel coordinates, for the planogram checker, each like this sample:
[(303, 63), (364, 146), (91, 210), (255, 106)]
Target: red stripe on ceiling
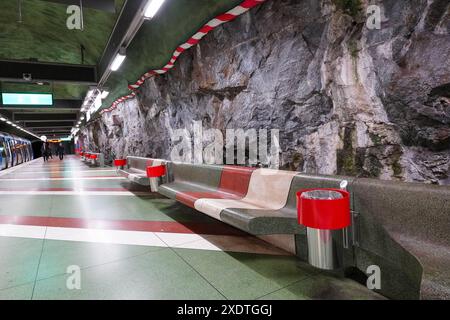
[(193, 41), (247, 4), (206, 29), (250, 3), (226, 17), (212, 228)]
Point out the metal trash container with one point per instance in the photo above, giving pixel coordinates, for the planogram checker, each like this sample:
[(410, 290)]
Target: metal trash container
[(325, 213), (155, 175)]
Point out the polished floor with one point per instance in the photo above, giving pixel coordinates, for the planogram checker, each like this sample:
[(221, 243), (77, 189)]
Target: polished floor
[(128, 243)]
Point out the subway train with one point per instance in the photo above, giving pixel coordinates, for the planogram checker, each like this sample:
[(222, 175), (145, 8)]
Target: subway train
[(14, 151)]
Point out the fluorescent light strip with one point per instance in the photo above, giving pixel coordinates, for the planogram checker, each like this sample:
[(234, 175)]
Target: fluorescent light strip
[(152, 8), (118, 60), (17, 126)]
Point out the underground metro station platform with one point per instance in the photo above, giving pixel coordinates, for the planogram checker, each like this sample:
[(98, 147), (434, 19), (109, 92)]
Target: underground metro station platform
[(244, 150)]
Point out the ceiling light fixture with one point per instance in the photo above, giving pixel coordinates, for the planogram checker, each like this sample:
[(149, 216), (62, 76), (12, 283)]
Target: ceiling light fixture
[(104, 94), (90, 93), (118, 60), (152, 8)]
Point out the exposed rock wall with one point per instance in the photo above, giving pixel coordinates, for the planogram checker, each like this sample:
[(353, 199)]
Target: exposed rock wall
[(347, 100)]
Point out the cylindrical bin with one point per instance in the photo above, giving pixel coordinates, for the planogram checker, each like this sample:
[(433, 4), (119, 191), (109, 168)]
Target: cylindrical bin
[(93, 158), (324, 213), (120, 163), (154, 174)]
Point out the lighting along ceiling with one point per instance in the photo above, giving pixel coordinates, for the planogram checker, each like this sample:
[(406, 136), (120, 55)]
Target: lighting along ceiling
[(5, 120), (94, 97)]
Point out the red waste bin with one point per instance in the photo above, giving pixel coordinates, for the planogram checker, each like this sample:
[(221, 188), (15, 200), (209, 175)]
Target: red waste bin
[(120, 163), (154, 174), (325, 213)]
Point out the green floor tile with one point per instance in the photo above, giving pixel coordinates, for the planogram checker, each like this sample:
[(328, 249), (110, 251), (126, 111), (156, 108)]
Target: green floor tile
[(22, 292), (123, 208), (58, 255), (19, 259), (157, 275), (26, 205), (243, 275)]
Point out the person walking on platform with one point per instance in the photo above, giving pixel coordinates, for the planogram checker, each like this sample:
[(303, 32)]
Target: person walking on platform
[(50, 151), (60, 151), (45, 150)]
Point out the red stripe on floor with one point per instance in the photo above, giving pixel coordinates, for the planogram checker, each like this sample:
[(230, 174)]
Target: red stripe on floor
[(129, 225)]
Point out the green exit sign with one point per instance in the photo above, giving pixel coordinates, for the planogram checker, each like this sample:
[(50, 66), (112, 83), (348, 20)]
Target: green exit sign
[(27, 99)]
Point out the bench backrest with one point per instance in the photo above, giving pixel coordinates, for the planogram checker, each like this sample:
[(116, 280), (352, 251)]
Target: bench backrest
[(196, 174), (140, 163), (235, 180), (264, 187)]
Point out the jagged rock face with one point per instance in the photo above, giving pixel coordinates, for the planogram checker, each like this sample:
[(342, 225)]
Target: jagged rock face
[(347, 99)]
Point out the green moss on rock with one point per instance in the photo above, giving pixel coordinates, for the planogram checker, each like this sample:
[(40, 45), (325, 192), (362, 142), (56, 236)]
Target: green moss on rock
[(350, 7)]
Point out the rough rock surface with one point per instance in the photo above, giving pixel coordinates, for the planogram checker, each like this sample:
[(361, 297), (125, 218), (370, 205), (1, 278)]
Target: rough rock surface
[(347, 99)]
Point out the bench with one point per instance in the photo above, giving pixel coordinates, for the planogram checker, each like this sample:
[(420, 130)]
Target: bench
[(257, 201), (401, 227), (135, 168), (93, 158)]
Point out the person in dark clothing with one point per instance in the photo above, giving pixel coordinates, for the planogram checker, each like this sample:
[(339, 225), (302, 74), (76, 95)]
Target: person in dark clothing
[(50, 151), (45, 149), (60, 151)]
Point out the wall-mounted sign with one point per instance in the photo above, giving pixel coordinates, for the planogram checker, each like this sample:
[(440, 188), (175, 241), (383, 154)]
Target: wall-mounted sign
[(27, 99)]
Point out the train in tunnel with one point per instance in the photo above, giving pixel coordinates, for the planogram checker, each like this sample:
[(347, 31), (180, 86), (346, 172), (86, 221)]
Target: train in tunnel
[(14, 150)]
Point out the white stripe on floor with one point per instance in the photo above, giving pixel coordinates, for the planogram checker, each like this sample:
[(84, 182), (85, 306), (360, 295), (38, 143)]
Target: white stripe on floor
[(17, 231), (137, 238), (246, 244)]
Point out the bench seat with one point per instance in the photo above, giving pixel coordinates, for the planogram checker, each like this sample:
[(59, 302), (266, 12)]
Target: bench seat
[(136, 176), (136, 169), (258, 201)]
